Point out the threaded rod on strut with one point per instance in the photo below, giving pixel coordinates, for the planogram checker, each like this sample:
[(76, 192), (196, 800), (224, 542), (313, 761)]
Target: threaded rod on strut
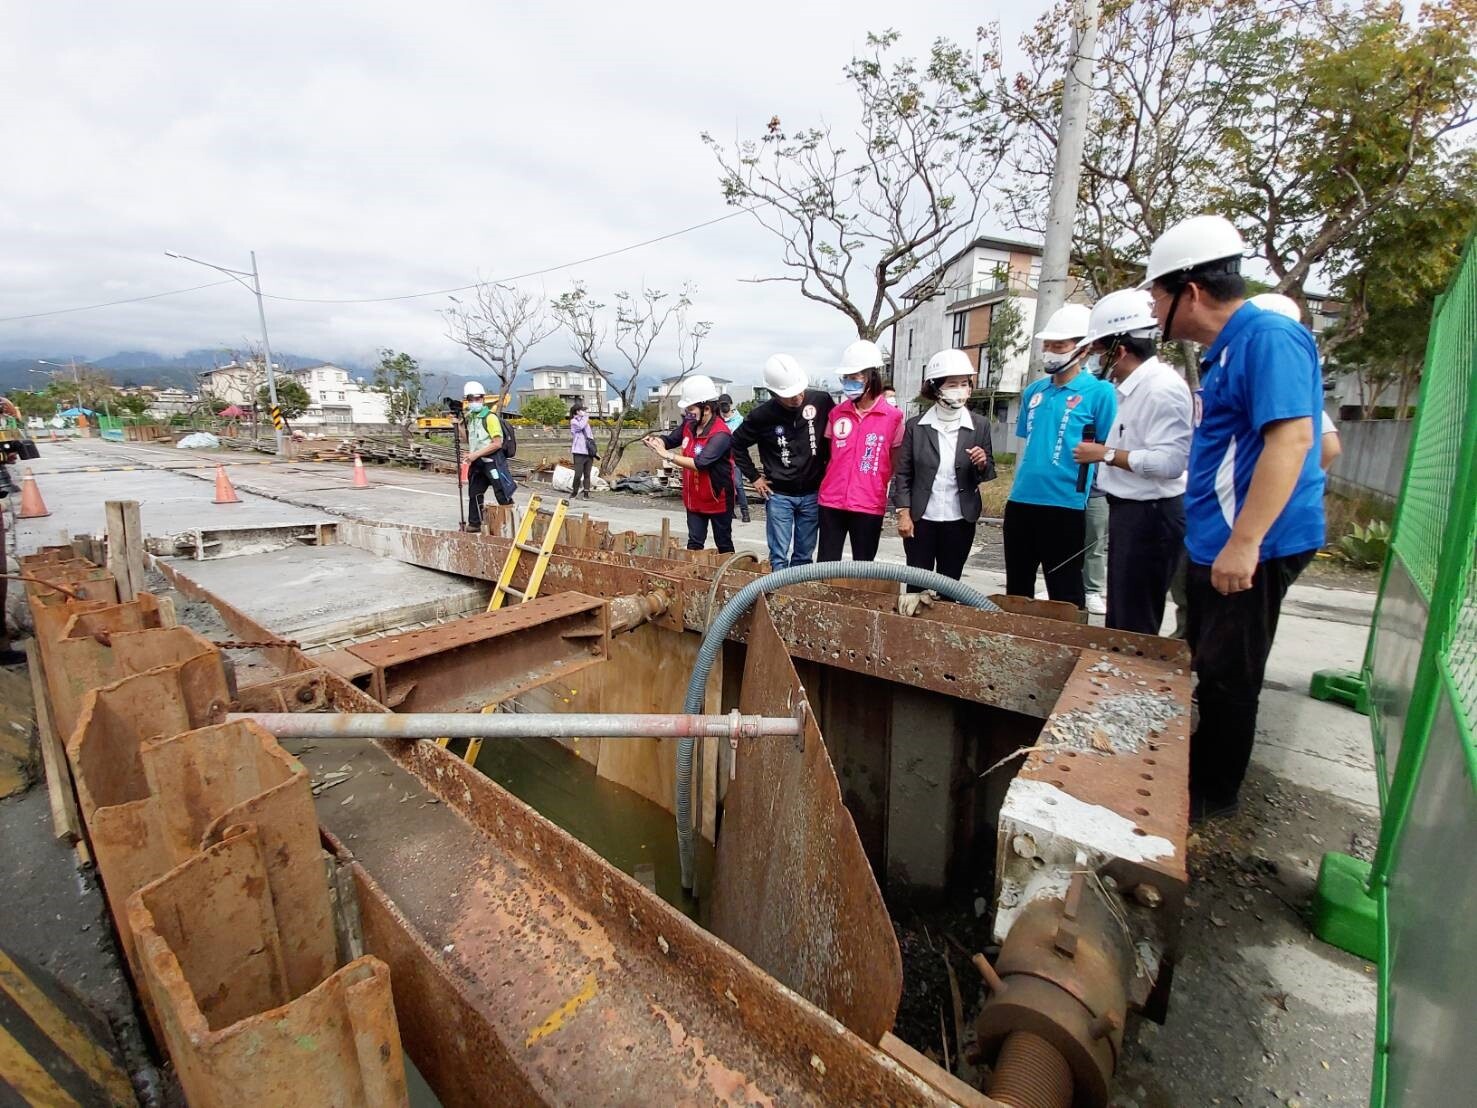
[(1031, 1073)]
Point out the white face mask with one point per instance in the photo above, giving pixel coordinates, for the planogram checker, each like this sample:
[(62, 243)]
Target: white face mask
[(1054, 362), (954, 396), (1094, 365)]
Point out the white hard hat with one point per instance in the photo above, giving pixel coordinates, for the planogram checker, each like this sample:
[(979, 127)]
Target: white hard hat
[(473, 388), (1193, 242), (1282, 305), (948, 363), (697, 389), (783, 376), (1125, 312), (861, 355), (1070, 321)]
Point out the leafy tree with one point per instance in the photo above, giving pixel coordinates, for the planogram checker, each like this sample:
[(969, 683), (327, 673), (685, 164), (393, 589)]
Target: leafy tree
[(748, 406), (32, 403), (399, 379), (548, 410), (860, 215), (1007, 338), (135, 404), (1388, 279), (292, 398)]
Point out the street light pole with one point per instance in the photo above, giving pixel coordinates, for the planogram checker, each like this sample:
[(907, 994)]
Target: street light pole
[(256, 290), (76, 377)]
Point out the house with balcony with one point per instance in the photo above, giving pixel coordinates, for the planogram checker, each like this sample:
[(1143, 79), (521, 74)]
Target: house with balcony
[(957, 304), (568, 383)]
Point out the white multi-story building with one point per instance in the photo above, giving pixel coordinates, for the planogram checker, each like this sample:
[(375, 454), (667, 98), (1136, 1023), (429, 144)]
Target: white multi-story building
[(337, 398), (569, 383)]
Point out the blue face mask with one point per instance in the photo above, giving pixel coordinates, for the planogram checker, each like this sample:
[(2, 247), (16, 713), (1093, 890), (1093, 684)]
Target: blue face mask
[(853, 389)]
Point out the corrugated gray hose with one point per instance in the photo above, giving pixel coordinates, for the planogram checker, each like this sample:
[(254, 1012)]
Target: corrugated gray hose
[(733, 611)]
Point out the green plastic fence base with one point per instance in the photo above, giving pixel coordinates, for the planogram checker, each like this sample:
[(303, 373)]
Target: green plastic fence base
[(1341, 687), (1345, 914)]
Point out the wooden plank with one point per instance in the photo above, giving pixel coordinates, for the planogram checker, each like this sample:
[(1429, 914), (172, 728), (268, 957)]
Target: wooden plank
[(66, 819), (167, 616), (125, 548)]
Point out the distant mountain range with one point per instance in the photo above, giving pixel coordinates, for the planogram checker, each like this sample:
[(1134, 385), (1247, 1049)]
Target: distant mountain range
[(137, 367)]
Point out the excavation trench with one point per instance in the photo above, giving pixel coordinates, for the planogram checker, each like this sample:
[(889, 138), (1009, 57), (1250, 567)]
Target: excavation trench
[(531, 964)]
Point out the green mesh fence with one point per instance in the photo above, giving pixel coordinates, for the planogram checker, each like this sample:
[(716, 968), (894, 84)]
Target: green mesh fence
[(1421, 671)]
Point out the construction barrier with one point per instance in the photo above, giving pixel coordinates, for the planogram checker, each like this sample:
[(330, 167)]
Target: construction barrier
[(1413, 907), (207, 843)]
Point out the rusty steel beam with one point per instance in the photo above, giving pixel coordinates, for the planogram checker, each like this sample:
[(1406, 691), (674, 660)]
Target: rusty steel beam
[(853, 630), (463, 664), (519, 725)]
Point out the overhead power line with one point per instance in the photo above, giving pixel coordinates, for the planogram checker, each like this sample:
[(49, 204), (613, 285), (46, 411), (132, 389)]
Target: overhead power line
[(111, 303)]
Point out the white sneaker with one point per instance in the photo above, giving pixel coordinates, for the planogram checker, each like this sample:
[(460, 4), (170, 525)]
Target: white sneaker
[(1096, 604)]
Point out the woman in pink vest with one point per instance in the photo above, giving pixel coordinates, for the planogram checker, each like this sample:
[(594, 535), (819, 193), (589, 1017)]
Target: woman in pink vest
[(704, 453), (864, 431)]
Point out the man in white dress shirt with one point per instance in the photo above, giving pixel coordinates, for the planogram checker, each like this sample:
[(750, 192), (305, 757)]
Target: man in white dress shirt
[(1143, 460)]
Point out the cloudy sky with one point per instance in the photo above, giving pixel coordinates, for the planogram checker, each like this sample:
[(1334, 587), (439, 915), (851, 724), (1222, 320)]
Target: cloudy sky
[(372, 149)]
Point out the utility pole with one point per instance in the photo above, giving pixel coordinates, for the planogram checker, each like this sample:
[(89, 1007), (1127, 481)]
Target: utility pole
[(261, 312), (1051, 292)]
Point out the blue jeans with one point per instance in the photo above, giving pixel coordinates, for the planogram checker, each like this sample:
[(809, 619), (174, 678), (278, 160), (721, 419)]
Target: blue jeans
[(791, 522)]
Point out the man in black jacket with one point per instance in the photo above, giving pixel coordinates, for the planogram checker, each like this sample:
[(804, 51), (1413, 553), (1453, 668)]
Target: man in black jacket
[(790, 431)]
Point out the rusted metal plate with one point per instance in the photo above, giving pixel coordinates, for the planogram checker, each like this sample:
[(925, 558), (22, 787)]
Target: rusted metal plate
[(463, 664), (88, 656), (528, 970), (854, 630), (788, 843), (212, 958), (1119, 736)]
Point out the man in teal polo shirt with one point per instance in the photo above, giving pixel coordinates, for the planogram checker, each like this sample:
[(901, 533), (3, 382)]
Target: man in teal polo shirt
[(1046, 515), (1254, 491)]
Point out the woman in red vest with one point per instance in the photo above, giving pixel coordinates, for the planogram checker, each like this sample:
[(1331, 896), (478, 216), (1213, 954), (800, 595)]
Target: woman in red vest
[(701, 447)]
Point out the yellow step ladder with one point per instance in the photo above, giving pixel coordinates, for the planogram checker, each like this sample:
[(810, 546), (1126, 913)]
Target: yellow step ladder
[(522, 544), (504, 587)]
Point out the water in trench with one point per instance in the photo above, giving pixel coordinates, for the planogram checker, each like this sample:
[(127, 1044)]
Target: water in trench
[(630, 832)]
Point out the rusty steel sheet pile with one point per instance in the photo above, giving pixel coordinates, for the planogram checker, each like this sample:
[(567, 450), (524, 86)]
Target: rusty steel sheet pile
[(208, 848), (793, 889)]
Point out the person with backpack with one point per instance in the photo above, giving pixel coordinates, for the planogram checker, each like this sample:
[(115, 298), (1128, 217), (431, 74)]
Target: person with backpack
[(581, 448), (489, 445)]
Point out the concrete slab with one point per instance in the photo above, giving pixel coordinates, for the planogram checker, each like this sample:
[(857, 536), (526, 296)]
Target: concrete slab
[(328, 594), (169, 501)]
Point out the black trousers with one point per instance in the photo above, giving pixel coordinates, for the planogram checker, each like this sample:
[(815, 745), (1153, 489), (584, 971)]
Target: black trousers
[(582, 463), (1053, 540), (697, 531), (837, 525), (1230, 638), (1145, 541), (942, 546)]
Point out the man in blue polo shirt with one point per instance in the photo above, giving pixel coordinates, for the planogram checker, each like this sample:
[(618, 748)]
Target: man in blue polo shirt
[(1254, 495), (1046, 515)]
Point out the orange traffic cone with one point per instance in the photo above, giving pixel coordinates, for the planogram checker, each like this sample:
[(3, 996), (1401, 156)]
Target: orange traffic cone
[(32, 506), (361, 479), (225, 493)]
